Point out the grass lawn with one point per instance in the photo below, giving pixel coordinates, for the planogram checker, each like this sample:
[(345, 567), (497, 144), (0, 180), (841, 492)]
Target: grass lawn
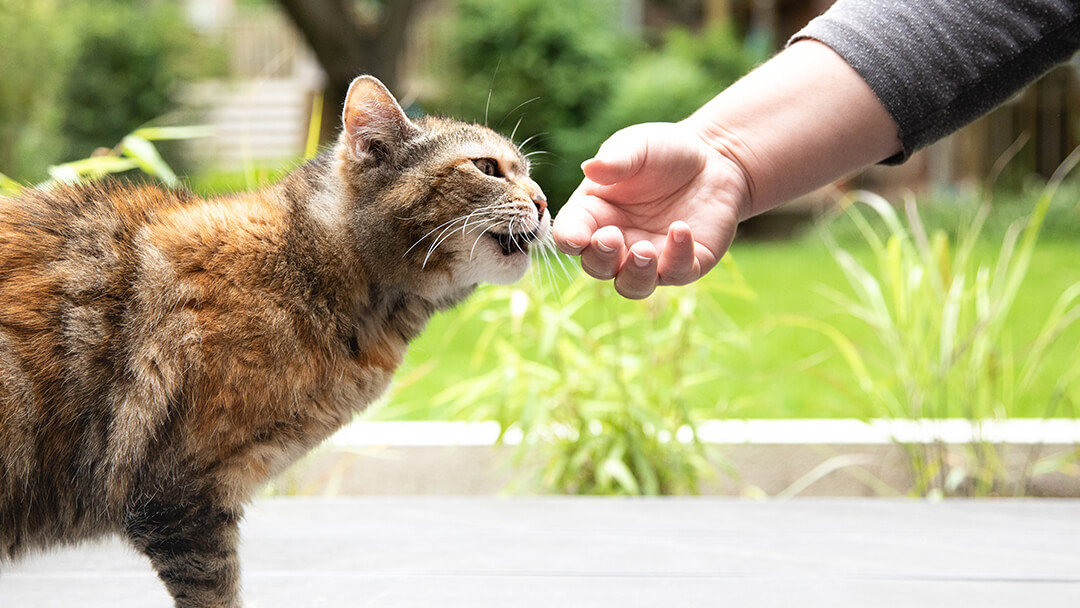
[(783, 372)]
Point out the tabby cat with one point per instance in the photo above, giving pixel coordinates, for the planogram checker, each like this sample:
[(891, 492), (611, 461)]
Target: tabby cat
[(162, 355)]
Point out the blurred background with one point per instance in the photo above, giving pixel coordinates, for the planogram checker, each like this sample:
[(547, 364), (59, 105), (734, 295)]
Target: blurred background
[(78, 75), (952, 297)]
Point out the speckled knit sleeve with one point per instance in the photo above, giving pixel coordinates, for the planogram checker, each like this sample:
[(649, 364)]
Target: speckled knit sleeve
[(937, 65)]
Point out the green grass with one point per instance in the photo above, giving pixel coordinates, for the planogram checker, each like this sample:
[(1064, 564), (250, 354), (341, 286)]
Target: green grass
[(781, 372)]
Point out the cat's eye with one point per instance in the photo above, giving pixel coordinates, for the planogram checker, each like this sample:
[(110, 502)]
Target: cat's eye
[(488, 166)]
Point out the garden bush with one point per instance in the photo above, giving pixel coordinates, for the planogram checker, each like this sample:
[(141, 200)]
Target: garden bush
[(942, 343), (81, 74)]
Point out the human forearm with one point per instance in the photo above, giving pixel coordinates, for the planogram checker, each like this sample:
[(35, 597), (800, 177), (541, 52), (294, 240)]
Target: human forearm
[(939, 64), (798, 122)]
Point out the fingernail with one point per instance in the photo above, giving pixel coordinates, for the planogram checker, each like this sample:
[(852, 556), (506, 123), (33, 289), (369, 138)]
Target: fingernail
[(573, 245), (641, 261), (591, 161), (604, 247), (679, 236)]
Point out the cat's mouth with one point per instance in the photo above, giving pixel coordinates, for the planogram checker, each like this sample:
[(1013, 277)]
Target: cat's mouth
[(515, 242)]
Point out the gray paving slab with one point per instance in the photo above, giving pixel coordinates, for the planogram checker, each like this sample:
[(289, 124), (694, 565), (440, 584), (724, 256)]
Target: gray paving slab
[(589, 552)]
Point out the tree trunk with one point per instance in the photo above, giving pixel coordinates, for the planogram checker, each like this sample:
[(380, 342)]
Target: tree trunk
[(346, 48)]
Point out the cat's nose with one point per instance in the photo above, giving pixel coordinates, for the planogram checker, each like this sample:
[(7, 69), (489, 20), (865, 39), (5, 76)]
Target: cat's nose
[(540, 201), (536, 194)]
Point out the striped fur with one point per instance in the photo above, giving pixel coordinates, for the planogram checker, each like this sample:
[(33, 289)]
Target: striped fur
[(162, 356)]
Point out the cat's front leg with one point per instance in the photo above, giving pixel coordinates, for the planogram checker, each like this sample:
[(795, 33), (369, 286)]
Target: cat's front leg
[(192, 546)]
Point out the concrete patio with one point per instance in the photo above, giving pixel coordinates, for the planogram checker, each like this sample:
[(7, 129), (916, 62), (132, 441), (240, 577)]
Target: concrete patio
[(586, 552)]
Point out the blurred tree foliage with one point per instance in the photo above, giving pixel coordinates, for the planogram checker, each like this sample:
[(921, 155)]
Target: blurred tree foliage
[(79, 74), (571, 73), (670, 82)]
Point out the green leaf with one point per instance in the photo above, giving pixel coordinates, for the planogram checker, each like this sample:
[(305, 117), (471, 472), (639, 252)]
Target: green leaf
[(146, 156), (617, 469), (92, 168), (173, 133), (64, 174), (844, 345), (9, 187)]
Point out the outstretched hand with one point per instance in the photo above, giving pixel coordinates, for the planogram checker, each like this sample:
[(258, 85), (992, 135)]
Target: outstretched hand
[(658, 206)]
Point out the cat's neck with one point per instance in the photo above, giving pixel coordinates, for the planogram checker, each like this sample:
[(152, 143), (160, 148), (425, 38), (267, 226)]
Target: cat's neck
[(362, 285)]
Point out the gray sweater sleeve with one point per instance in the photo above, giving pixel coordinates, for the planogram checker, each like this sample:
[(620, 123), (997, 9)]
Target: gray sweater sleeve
[(937, 65)]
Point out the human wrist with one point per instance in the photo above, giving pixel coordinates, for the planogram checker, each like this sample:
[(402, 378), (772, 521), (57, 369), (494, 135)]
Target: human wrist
[(798, 122), (730, 150)]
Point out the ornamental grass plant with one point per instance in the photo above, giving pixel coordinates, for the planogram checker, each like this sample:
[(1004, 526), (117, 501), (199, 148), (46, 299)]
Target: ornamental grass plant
[(940, 345)]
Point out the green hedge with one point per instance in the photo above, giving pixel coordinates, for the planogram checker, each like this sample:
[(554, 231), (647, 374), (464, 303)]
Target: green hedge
[(80, 74)]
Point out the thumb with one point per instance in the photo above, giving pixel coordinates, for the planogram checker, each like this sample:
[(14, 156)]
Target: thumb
[(618, 159)]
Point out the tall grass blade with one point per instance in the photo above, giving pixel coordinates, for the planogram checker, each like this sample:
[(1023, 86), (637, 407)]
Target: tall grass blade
[(148, 159), (311, 146)]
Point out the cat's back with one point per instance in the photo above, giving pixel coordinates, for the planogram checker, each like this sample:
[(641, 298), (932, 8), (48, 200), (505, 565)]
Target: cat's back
[(70, 240), (68, 256), (67, 259)]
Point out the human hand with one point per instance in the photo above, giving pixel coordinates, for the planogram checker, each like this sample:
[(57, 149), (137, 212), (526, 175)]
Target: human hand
[(658, 206)]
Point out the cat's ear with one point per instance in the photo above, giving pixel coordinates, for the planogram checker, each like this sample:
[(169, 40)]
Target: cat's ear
[(373, 120)]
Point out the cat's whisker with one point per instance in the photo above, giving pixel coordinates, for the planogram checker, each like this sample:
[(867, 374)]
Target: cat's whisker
[(439, 240), (447, 224), (545, 252), (539, 276), (445, 234), (480, 236), (551, 252), (516, 108), (488, 211), (491, 223), (566, 271), (433, 231), (465, 226), (549, 274), (537, 253), (487, 106), (491, 89), (517, 242), (522, 145), (514, 131)]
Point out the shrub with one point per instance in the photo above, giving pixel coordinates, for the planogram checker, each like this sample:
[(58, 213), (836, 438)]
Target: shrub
[(941, 346), (83, 74), (30, 73), (672, 81), (604, 393)]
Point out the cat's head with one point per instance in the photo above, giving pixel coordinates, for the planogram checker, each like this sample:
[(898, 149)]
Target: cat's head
[(446, 203)]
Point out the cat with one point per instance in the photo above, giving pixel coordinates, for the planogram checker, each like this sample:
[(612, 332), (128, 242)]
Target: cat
[(163, 355)]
